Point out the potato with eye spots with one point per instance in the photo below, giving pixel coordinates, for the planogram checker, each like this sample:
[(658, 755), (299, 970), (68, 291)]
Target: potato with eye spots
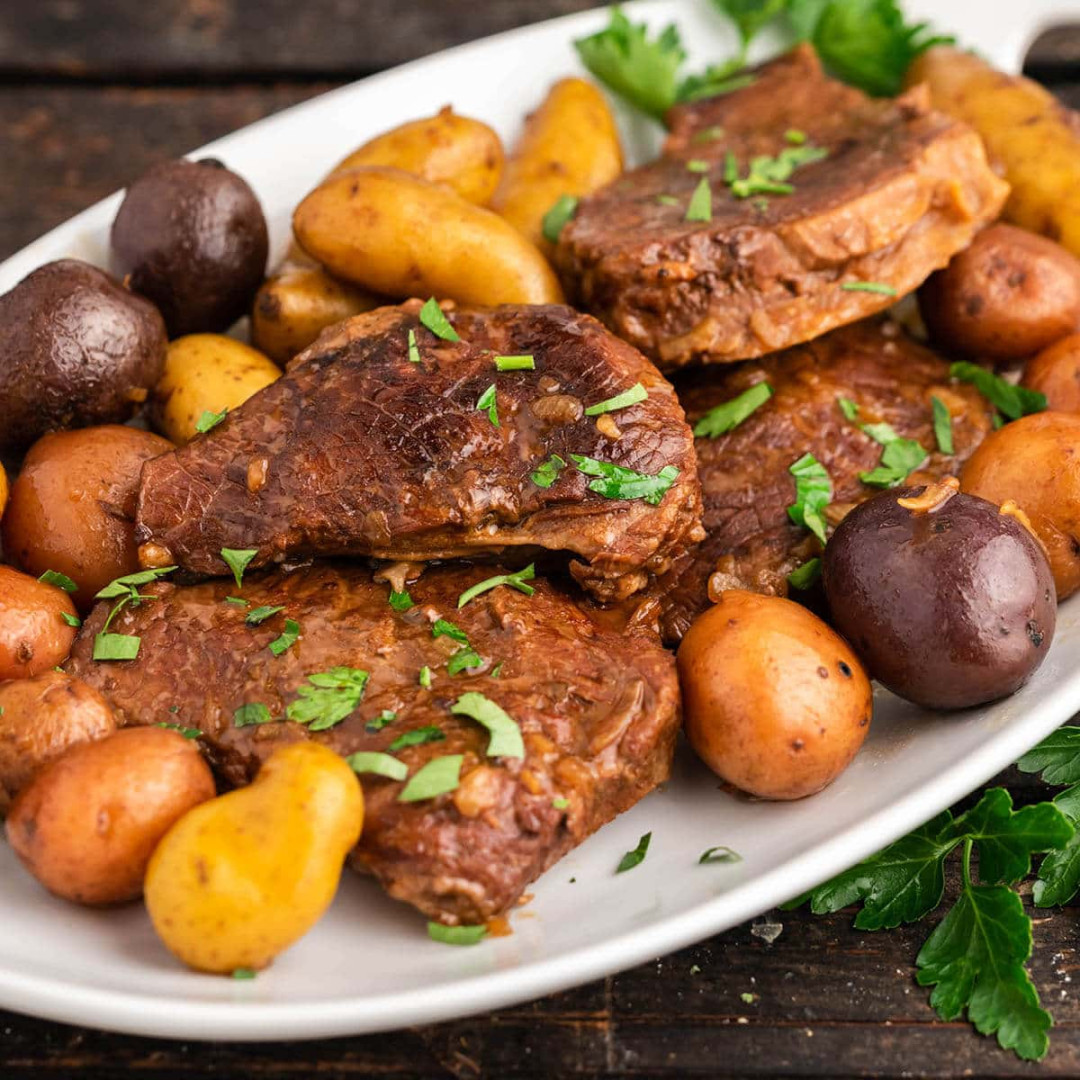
[(774, 702), (37, 625)]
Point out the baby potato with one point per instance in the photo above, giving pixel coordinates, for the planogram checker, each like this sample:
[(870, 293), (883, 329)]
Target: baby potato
[(4, 490), (570, 146), (399, 235), (1055, 372), (461, 153), (774, 702), (37, 625), (239, 879), (1035, 462), (73, 505), (293, 308), (40, 718), (206, 373), (1010, 294), (88, 824)]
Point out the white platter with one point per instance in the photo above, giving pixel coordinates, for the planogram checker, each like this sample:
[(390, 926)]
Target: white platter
[(369, 966)]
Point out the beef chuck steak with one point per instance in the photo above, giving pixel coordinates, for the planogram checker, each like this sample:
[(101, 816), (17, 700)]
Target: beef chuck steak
[(900, 190), (598, 711), (357, 450), (751, 543)]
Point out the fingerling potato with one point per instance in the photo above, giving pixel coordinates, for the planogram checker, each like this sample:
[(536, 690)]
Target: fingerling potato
[(88, 824), (570, 146), (206, 373), (461, 153), (37, 625), (402, 236), (1055, 372)]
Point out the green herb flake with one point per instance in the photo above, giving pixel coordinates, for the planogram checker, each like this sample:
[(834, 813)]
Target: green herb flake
[(244, 974), (813, 492), (637, 393), (456, 935), (795, 137), (288, 637), (414, 349), (769, 175), (496, 671), (487, 401), (719, 854), (445, 628), (127, 585), (1012, 401), (71, 620), (709, 134), (727, 416), (747, 998), (261, 614), (238, 601), (238, 560), (806, 575), (506, 740), (547, 473), (400, 601), (515, 363), (899, 458), (696, 165), (615, 482), (116, 646), (425, 677), (377, 723), (560, 803), (209, 420), (700, 208), (187, 732), (635, 857), (667, 200), (943, 432), (433, 317), (370, 761), (250, 714), (465, 659), (731, 168), (328, 697), (417, 737), (848, 408), (436, 777), (555, 220), (869, 286), (60, 581), (515, 580)]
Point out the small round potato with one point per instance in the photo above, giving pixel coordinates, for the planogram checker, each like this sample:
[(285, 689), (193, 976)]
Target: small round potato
[(73, 505), (4, 491), (88, 824), (1055, 372), (1006, 297), (774, 701), (37, 625), (1035, 463), (206, 373), (40, 718)]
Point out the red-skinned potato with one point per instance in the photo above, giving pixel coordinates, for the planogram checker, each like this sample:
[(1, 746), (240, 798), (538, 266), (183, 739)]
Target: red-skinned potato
[(34, 633), (1055, 372), (774, 702)]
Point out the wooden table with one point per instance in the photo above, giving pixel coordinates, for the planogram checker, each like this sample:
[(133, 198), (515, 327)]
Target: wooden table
[(92, 92)]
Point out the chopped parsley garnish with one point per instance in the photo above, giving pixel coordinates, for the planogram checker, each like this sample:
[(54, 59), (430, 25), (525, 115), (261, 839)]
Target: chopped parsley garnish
[(848, 408), (709, 134), (253, 712), (696, 165), (487, 401), (667, 200), (717, 79), (377, 723), (187, 732), (720, 853), (942, 425), (731, 168), (127, 586), (769, 175), (287, 638), (433, 317), (71, 620), (243, 973), (445, 628), (813, 492), (125, 590), (562, 210), (464, 659), (1012, 401), (209, 420), (371, 761), (417, 737), (795, 136), (506, 738), (414, 349), (238, 560), (636, 393), (547, 473), (400, 601), (239, 601), (615, 482), (560, 803), (805, 576), (328, 698), (726, 417), (116, 646), (456, 935), (515, 580), (60, 581), (515, 363), (635, 857), (869, 286), (700, 208), (899, 458), (261, 614), (436, 777), (425, 677)]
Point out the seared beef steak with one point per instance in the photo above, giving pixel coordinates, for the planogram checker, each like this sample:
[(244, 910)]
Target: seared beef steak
[(598, 711), (357, 450), (902, 188), (747, 488)]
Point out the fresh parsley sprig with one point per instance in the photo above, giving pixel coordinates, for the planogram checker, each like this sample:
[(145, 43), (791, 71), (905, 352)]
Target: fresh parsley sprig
[(328, 697), (813, 492)]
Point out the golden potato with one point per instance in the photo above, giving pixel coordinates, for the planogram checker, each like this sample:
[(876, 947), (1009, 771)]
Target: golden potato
[(206, 373), (1035, 462), (3, 491), (241, 878), (570, 146), (401, 236), (37, 625), (39, 719), (774, 701), (1010, 294), (294, 307), (1026, 129), (73, 505), (88, 824), (1055, 372), (463, 154)]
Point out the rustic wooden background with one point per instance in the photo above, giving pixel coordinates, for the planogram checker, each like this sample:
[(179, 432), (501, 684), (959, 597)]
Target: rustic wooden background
[(92, 92)]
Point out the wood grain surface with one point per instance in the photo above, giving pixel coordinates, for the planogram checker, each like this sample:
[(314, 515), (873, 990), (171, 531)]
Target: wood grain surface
[(93, 91)]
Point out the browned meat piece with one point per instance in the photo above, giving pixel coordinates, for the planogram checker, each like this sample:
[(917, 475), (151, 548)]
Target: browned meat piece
[(747, 488), (598, 711), (902, 189), (358, 451)]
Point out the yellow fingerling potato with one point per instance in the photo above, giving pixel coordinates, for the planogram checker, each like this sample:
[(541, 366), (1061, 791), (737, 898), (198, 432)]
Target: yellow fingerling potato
[(570, 147), (1026, 129), (242, 877), (402, 236), (463, 154), (206, 373), (293, 308)]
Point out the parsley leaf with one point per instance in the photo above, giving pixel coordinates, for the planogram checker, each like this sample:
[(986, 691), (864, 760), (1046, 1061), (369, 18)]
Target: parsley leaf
[(371, 761), (437, 777), (250, 713), (942, 425), (127, 585), (636, 393), (116, 646), (456, 935), (548, 472), (1013, 401), (287, 638), (869, 286), (445, 628), (237, 560), (848, 408), (804, 576), (424, 678), (71, 620), (261, 614), (720, 853), (209, 420), (616, 482), (465, 658), (400, 601), (506, 740), (750, 16), (417, 737), (515, 580), (727, 416), (813, 492), (60, 581), (414, 349), (635, 857), (899, 459), (700, 206), (524, 362), (562, 211), (328, 698), (377, 723), (487, 401), (769, 175), (433, 317)]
